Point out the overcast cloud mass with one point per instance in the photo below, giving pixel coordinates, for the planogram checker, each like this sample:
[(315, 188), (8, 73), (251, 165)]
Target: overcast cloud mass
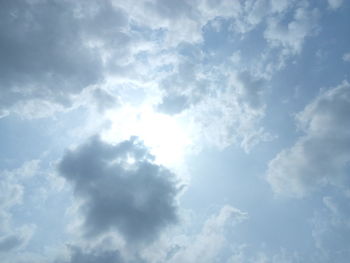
[(174, 131)]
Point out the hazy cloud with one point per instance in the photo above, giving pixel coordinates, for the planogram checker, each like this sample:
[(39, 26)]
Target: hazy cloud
[(335, 4)]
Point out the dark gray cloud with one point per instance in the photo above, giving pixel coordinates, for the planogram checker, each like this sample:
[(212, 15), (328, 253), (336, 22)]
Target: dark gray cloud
[(121, 189), (51, 50), (42, 52)]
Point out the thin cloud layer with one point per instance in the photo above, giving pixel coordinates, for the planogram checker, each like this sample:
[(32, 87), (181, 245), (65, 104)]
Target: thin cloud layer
[(121, 189)]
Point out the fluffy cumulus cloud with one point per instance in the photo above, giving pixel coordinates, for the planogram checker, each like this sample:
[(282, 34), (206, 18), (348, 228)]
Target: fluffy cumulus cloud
[(121, 189), (321, 156)]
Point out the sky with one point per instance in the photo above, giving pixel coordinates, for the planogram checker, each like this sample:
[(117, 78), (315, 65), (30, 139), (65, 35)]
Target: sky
[(168, 131)]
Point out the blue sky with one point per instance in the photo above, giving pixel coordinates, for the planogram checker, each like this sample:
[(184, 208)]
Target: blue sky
[(161, 131)]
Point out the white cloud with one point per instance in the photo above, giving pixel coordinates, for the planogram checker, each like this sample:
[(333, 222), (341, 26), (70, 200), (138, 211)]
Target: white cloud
[(321, 156)]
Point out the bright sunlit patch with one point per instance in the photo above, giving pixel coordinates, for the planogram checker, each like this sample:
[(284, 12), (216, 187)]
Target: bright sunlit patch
[(164, 135)]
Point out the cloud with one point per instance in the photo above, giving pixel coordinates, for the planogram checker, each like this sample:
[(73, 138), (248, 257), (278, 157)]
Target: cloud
[(12, 194), (250, 89), (246, 254), (121, 189), (335, 4), (346, 57), (178, 22), (290, 36), (52, 50), (79, 255), (247, 15), (232, 113), (224, 104), (212, 239), (173, 104), (43, 52), (104, 100), (321, 156), (331, 229), (10, 242), (17, 239)]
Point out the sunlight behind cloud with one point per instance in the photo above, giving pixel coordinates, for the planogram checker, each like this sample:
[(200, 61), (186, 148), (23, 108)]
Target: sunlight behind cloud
[(167, 138)]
